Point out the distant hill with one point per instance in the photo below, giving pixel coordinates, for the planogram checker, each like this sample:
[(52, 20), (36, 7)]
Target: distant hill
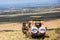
[(32, 9), (30, 5)]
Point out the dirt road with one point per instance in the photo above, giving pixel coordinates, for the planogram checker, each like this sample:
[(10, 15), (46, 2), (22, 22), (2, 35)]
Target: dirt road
[(17, 26)]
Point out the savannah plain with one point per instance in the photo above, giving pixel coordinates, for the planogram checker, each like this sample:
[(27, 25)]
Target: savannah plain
[(10, 25)]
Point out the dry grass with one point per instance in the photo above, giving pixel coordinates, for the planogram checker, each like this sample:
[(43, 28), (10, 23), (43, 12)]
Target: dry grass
[(18, 35), (52, 35), (15, 35), (9, 36)]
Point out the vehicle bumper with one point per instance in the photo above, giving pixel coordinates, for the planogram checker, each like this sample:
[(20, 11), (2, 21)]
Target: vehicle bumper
[(38, 35)]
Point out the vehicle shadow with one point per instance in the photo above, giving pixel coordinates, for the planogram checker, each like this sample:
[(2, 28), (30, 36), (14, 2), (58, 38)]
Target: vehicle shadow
[(40, 38)]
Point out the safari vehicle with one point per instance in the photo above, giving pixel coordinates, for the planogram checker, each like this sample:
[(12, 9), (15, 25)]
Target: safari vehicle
[(34, 28)]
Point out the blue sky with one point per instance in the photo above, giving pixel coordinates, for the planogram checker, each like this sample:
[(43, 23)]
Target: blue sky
[(10, 2), (27, 2)]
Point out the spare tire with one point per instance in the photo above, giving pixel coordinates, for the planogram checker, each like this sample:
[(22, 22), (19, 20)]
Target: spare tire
[(34, 29)]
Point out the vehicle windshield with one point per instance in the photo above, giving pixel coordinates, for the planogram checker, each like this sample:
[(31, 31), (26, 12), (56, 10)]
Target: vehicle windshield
[(38, 25)]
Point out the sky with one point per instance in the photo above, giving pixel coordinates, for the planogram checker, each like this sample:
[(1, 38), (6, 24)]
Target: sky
[(10, 2), (27, 2)]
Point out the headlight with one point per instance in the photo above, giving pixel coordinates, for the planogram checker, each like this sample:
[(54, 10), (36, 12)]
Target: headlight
[(42, 29), (34, 29)]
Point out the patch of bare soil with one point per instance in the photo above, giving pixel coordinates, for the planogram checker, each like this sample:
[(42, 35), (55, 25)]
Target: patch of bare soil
[(17, 26), (10, 26), (53, 23)]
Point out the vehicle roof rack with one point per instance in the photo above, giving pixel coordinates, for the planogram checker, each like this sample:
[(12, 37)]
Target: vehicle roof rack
[(36, 18)]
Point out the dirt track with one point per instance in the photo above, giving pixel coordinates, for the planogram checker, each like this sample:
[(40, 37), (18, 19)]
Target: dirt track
[(53, 23), (17, 26)]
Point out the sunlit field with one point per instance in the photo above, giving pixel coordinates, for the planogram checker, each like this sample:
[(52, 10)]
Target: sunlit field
[(10, 27), (17, 35), (13, 31), (13, 13)]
